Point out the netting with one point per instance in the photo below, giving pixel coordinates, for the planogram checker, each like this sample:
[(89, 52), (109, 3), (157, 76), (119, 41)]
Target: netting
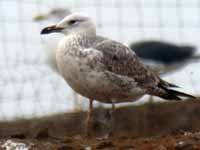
[(29, 88)]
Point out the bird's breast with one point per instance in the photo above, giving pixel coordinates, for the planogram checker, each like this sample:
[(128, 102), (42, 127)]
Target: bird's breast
[(85, 75)]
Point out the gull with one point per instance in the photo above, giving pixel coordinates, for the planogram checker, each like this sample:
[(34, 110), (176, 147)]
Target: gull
[(53, 14), (164, 57), (103, 69)]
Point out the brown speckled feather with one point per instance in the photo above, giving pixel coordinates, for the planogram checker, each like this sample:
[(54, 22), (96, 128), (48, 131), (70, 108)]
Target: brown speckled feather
[(119, 59)]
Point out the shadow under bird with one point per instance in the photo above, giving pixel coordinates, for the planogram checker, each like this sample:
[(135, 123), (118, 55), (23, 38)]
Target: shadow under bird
[(103, 69), (164, 57)]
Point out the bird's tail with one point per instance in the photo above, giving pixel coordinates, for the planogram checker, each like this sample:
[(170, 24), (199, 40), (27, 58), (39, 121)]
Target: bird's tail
[(175, 95), (170, 94)]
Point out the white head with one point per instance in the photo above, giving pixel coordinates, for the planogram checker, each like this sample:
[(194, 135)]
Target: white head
[(76, 23)]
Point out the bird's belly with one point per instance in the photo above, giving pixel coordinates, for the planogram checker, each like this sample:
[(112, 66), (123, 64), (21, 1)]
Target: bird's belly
[(102, 86)]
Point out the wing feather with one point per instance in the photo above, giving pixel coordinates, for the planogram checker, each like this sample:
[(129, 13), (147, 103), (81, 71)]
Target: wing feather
[(119, 59)]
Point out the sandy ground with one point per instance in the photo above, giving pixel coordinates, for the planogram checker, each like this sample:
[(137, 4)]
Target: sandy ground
[(159, 126)]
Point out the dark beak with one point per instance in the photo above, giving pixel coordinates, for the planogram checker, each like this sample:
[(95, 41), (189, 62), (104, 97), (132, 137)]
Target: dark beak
[(51, 29)]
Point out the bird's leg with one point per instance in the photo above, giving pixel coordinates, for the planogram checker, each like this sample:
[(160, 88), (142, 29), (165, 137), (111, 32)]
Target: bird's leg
[(76, 102), (151, 99), (89, 118), (112, 111)]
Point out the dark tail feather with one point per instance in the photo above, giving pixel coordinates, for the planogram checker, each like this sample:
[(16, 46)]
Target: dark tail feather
[(171, 94), (167, 84), (175, 95), (172, 85)]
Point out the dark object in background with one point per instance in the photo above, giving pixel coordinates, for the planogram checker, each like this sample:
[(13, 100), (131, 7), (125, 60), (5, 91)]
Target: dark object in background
[(164, 57)]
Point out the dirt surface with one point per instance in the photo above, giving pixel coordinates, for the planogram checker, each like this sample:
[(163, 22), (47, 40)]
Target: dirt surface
[(158, 126)]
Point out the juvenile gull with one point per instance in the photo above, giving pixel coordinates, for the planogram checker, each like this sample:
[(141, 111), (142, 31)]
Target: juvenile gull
[(102, 69), (164, 57)]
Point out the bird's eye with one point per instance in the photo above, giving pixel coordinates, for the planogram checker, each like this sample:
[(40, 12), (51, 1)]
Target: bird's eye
[(72, 22)]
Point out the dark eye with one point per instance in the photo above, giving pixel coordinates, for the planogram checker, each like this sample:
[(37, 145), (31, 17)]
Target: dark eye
[(72, 22)]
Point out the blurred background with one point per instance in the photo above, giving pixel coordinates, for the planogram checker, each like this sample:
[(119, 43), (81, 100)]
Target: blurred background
[(29, 88)]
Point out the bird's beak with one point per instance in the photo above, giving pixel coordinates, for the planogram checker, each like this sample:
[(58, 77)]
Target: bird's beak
[(51, 29)]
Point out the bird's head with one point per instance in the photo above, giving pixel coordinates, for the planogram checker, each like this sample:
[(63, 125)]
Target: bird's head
[(76, 23)]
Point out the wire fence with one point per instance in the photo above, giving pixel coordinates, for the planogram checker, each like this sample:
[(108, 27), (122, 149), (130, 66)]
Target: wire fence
[(29, 88)]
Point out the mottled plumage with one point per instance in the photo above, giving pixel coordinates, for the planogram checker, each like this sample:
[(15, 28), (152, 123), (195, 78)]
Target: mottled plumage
[(102, 69), (92, 66)]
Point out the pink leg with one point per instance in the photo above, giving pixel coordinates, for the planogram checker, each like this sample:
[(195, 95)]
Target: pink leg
[(112, 111), (89, 117)]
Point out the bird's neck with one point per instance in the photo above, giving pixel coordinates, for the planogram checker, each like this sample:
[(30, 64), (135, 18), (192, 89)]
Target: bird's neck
[(83, 33), (86, 34), (80, 39)]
